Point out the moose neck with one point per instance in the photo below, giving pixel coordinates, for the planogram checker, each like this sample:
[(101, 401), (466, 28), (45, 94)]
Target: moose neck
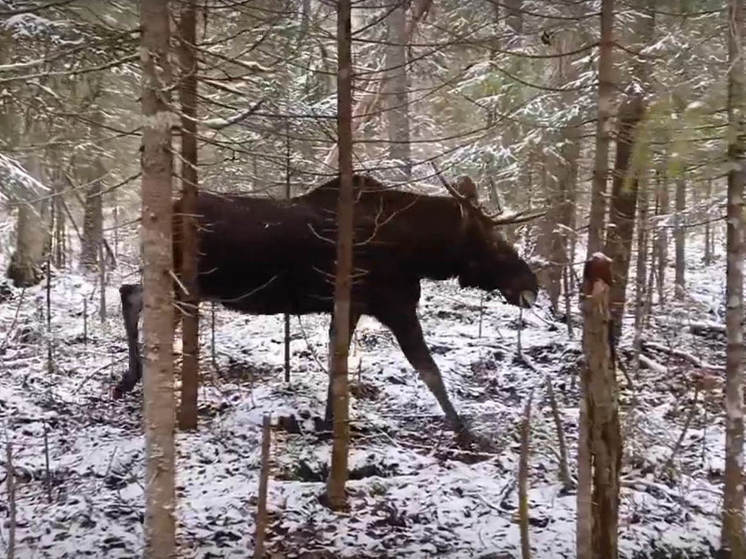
[(437, 238)]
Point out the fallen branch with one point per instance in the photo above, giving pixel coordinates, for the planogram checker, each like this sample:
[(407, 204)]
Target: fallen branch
[(696, 361), (653, 365)]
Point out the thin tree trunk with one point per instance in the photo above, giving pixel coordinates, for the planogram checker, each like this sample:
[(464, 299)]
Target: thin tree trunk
[(92, 220), (523, 479), (662, 236), (625, 182), (600, 390), (157, 164), (680, 239), (189, 187), (708, 227), (342, 288), (584, 519), (25, 267), (733, 494), (641, 293), (623, 207), (601, 157), (397, 91)]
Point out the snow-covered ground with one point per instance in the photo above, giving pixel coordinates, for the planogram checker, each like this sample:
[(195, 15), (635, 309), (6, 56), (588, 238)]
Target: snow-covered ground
[(413, 492)]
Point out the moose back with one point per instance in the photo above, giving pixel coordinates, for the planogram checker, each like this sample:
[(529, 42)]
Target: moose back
[(265, 256)]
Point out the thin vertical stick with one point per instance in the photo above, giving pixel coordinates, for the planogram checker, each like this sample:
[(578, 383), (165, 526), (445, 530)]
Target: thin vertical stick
[(102, 278), (213, 356), (523, 479), (116, 225), (85, 321), (47, 471), (287, 195), (261, 511), (481, 315), (11, 485), (50, 361), (568, 304), (564, 470)]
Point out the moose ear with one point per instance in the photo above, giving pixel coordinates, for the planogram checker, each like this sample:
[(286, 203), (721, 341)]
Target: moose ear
[(466, 187)]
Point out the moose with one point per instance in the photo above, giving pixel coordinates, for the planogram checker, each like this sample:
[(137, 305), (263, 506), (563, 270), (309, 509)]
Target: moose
[(266, 256)]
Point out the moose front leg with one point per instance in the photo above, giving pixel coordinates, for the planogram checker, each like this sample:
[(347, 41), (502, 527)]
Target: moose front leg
[(408, 332)]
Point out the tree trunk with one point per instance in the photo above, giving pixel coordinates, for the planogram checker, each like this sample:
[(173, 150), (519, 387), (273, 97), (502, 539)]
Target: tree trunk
[(342, 287), (600, 390), (680, 239), (559, 222), (733, 522), (708, 225), (157, 167), (661, 236), (25, 267), (625, 182), (583, 499), (397, 91), (189, 186), (93, 220), (641, 293), (601, 157), (623, 207)]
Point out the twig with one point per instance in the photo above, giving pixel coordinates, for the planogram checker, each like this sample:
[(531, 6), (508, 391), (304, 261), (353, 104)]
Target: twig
[(48, 477)]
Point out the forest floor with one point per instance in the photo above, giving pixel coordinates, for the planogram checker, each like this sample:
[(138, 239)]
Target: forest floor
[(413, 492)]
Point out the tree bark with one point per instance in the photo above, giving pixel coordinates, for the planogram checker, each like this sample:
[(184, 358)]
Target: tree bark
[(559, 223), (93, 218), (189, 188), (641, 293), (625, 182), (25, 267), (157, 163), (397, 90), (600, 390), (708, 225), (661, 235), (601, 157), (680, 232), (342, 289), (733, 543)]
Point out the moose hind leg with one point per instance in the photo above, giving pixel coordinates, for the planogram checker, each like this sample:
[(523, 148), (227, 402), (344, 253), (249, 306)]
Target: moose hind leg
[(408, 332), (131, 296)]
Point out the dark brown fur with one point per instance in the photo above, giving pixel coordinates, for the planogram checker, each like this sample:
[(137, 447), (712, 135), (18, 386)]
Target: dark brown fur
[(264, 256)]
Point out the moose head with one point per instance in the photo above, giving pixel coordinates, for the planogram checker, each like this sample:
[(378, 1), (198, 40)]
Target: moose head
[(488, 261)]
